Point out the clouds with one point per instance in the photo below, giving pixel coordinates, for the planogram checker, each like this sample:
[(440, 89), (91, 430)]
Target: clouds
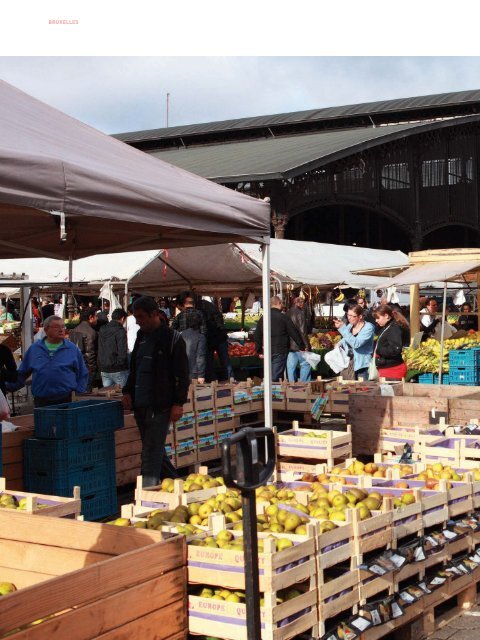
[(117, 94)]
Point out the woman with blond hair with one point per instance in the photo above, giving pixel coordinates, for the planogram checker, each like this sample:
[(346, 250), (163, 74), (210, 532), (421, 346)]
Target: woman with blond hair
[(390, 342)]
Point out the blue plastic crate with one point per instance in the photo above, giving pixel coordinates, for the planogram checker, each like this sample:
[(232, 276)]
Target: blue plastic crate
[(78, 419), (99, 504), (465, 357), (432, 378), (62, 456), (90, 478), (465, 375)]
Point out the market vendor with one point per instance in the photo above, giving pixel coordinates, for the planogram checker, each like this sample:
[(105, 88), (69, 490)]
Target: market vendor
[(56, 366), (431, 325)]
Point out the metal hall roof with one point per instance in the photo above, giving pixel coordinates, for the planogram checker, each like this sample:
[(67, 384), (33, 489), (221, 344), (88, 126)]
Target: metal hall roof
[(398, 108), (288, 156)]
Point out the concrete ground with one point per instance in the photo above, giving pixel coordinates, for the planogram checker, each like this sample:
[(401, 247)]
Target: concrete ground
[(465, 627)]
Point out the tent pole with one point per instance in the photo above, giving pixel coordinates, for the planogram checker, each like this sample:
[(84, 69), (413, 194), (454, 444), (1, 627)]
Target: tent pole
[(267, 338), (442, 338), (414, 309)]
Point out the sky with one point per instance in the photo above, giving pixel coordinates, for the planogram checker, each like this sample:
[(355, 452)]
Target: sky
[(119, 94)]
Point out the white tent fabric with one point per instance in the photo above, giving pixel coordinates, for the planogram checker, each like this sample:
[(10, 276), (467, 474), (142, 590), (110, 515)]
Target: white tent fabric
[(433, 272), (222, 269), (314, 263)]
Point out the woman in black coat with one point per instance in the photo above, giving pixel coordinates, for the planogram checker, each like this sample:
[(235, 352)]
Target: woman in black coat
[(390, 342)]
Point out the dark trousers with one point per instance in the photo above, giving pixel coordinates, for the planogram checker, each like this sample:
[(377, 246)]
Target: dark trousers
[(279, 361), (46, 402), (153, 426), (226, 371)]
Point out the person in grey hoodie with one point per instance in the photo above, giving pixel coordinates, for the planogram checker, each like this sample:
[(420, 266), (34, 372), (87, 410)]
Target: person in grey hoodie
[(196, 347)]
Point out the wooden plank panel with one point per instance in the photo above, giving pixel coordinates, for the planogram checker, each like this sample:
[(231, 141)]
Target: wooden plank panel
[(92, 583), (128, 449), (54, 561), (21, 578), (160, 624), (126, 435), (113, 612), (84, 536), (128, 477), (12, 455), (122, 464)]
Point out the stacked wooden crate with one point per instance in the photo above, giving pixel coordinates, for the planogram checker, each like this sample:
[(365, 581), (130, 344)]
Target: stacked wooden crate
[(87, 580)]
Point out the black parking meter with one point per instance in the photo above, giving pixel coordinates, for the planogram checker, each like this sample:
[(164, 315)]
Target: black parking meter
[(255, 463)]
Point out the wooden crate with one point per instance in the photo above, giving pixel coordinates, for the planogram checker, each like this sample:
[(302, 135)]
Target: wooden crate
[(204, 422), (339, 392), (12, 450), (300, 396), (296, 443), (203, 396), (128, 450), (337, 594), (208, 448), (277, 569), (155, 496), (97, 581), (38, 504), (371, 413), (465, 407), (227, 620), (185, 427), (222, 395)]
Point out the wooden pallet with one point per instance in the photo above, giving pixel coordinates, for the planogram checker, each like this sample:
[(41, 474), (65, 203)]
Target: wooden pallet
[(431, 613)]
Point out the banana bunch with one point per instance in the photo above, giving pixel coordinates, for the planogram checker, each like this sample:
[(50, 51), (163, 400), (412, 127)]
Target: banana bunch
[(427, 357)]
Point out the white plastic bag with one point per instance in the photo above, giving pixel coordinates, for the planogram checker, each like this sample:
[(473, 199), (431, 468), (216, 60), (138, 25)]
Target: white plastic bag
[(4, 407), (372, 370), (312, 358), (337, 359)]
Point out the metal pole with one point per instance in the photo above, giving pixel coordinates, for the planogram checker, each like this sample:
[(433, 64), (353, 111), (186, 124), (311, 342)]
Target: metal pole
[(442, 337), (250, 545), (267, 340)]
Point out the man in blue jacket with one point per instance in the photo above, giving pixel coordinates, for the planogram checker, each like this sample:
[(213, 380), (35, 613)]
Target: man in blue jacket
[(56, 365)]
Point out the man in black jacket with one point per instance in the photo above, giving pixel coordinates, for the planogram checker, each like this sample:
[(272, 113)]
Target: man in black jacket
[(113, 350), (282, 330), (85, 337), (156, 388)]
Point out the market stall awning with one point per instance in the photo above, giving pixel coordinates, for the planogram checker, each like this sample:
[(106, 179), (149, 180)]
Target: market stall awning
[(222, 269), (114, 197), (458, 271), (327, 265)]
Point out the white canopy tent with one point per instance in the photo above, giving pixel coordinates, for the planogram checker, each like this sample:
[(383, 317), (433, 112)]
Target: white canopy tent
[(222, 269)]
